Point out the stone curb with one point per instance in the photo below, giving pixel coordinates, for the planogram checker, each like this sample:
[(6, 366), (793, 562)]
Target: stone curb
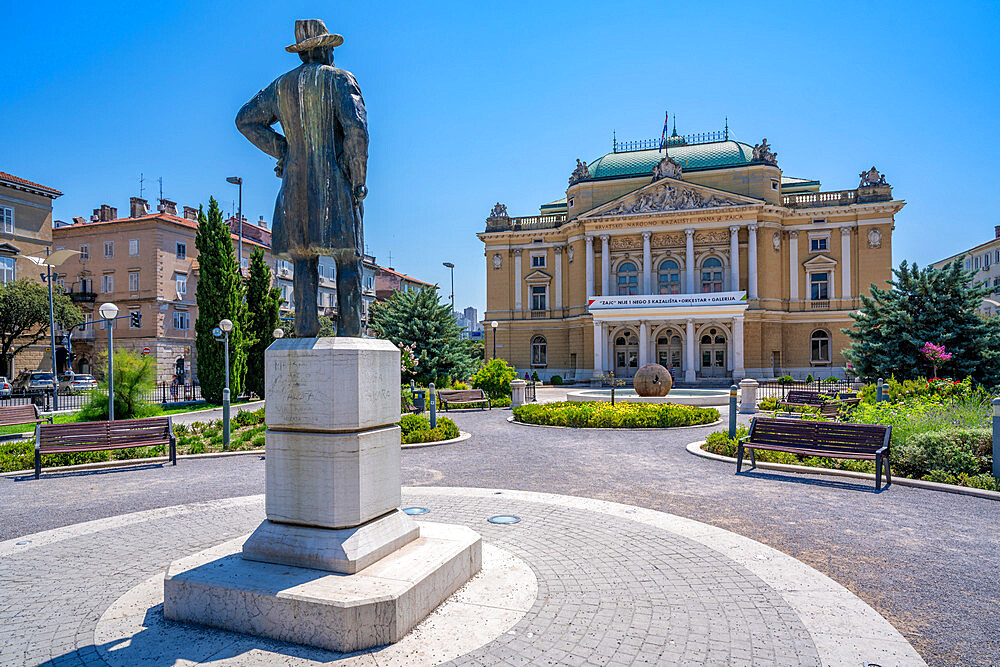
[(462, 437), (695, 448), (97, 465), (511, 420)]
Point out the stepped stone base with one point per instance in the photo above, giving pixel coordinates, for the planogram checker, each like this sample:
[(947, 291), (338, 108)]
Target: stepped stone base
[(377, 605), (346, 550)]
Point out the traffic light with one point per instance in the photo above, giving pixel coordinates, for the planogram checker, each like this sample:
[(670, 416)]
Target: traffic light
[(136, 320)]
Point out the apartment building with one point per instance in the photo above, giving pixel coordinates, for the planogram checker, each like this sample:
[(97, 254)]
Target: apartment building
[(984, 260), (25, 229)]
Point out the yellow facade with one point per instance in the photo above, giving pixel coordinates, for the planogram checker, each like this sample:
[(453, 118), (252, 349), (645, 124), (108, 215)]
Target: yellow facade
[(702, 257)]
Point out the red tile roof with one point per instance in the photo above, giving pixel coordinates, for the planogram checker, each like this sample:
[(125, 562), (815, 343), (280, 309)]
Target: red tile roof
[(404, 276), (164, 217), (17, 180)]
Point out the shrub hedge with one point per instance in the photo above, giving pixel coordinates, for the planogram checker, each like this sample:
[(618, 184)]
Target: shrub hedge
[(596, 414), (418, 429)]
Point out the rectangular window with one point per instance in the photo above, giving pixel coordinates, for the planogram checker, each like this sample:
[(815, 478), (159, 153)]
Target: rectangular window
[(133, 281), (820, 286), (6, 270), (538, 261), (85, 251), (86, 285), (61, 281), (131, 320), (133, 247), (182, 284), (108, 283), (537, 297), (182, 250), (182, 321), (818, 244), (109, 249), (977, 263), (7, 219)]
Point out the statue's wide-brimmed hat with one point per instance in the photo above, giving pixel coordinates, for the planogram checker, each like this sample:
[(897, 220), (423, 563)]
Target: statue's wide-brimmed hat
[(312, 34)]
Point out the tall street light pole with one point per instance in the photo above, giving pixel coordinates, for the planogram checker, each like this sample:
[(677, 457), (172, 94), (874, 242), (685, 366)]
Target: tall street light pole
[(109, 312), (225, 326), (237, 180), (452, 267)]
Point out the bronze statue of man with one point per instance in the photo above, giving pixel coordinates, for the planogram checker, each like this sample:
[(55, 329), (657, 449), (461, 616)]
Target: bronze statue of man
[(322, 162)]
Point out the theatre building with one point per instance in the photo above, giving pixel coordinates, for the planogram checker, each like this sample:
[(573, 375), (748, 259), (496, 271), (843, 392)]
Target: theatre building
[(699, 255)]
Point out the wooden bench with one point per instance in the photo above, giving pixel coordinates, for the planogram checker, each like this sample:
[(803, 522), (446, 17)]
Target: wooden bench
[(815, 438), (16, 415), (100, 436), (449, 397), (798, 398)]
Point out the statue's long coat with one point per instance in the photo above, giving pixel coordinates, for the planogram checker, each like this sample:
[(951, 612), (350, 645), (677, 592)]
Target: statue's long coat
[(325, 151)]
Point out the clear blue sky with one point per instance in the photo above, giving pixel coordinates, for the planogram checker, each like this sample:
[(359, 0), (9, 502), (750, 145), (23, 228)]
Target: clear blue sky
[(471, 103)]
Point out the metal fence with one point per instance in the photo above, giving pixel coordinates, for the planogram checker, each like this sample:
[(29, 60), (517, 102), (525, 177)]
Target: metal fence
[(529, 392), (776, 389), (164, 393)]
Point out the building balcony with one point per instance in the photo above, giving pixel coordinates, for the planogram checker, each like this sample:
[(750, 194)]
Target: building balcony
[(82, 297), (873, 193), (819, 304), (530, 222), (539, 314)]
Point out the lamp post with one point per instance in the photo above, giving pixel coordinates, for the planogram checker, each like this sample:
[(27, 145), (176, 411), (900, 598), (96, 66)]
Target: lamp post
[(109, 312), (225, 326), (494, 324), (237, 180), (452, 267)]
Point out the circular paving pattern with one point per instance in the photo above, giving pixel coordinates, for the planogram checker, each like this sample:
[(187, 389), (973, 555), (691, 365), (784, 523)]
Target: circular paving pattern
[(616, 584)]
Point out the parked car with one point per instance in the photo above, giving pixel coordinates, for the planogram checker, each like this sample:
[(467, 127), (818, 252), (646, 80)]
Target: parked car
[(5, 388), (33, 382), (72, 383)]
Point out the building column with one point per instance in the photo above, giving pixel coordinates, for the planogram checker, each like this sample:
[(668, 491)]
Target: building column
[(643, 343), (689, 373), (845, 263), (793, 266), (689, 262), (647, 261), (734, 258), (558, 282), (752, 261), (517, 279), (738, 363), (605, 266), (598, 348), (589, 240)]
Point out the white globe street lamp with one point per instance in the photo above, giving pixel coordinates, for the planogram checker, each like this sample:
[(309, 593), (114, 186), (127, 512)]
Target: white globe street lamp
[(109, 311), (494, 324), (225, 326)]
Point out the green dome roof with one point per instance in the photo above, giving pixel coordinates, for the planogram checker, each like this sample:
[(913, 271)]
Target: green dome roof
[(689, 156)]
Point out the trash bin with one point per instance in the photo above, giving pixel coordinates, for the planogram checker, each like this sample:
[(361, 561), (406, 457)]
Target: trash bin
[(420, 400)]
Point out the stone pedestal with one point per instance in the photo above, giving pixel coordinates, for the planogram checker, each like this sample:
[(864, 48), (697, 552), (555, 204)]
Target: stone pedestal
[(332, 496), (517, 392), (748, 396)]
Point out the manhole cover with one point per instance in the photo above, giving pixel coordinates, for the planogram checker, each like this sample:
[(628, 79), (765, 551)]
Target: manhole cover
[(504, 519), (415, 510)]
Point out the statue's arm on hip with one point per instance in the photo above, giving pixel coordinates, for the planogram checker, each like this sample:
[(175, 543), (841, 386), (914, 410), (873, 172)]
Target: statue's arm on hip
[(354, 121), (255, 120)]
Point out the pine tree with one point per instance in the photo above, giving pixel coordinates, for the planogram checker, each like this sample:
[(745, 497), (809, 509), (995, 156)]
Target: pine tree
[(220, 296), (263, 302), (419, 318), (925, 305)]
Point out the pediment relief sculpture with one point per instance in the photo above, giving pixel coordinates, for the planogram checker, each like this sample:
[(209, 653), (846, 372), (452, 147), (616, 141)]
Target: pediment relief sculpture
[(872, 178), (668, 168), (666, 240), (499, 211), (711, 237), (668, 197), (625, 243)]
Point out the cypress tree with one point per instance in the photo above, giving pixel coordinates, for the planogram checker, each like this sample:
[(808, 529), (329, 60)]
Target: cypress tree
[(419, 318), (263, 302), (220, 296), (925, 305)]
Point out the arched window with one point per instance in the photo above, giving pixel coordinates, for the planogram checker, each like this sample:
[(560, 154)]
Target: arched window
[(820, 347), (539, 353), (711, 275), (669, 277), (628, 279)]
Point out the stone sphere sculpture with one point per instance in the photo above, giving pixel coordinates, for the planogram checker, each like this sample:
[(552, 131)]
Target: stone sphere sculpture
[(653, 380)]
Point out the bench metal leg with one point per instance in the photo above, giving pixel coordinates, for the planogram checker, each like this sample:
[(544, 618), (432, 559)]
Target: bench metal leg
[(878, 473), (173, 452), (739, 458), (888, 475), (753, 457), (38, 463)]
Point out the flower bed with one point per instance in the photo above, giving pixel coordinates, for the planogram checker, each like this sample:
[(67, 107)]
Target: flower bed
[(417, 429), (940, 433), (599, 414)]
